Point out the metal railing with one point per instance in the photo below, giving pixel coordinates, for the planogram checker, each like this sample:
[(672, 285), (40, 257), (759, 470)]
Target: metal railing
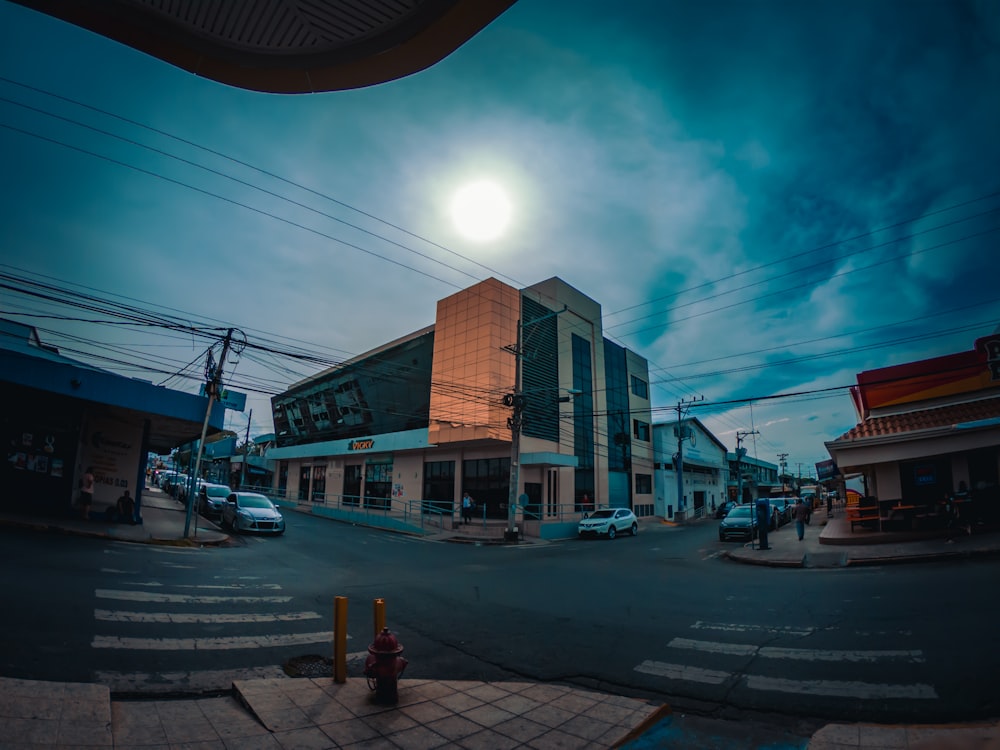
[(425, 516)]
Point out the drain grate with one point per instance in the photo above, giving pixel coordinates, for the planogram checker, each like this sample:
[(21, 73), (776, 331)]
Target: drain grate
[(310, 665)]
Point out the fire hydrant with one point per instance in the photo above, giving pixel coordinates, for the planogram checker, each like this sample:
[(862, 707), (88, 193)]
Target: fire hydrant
[(384, 666)]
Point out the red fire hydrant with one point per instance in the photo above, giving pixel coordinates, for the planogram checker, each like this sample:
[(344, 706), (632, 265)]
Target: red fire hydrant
[(384, 666)]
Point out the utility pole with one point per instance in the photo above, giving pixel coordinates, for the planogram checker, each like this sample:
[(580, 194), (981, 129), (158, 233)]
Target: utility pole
[(214, 376), (681, 406), (783, 468), (516, 401), (740, 452), (246, 453)]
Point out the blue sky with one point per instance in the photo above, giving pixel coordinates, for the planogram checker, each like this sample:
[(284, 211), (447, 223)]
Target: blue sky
[(765, 197)]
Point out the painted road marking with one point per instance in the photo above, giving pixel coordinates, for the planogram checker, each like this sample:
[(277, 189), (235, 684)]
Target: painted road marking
[(106, 615), (743, 628), (804, 654), (211, 644), (845, 689), (228, 586), (142, 596), (683, 672), (828, 688)]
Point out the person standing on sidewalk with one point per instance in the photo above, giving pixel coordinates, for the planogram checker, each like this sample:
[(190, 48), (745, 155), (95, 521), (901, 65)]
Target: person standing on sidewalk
[(800, 513), (467, 505)]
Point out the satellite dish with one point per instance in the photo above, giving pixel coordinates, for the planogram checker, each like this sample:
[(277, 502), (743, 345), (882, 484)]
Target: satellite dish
[(694, 437)]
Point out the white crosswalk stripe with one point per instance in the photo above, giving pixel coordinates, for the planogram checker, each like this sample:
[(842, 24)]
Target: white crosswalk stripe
[(748, 657), (201, 617), (143, 596), (141, 614), (805, 654), (210, 644)]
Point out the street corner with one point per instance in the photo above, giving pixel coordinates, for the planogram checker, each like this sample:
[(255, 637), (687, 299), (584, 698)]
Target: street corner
[(769, 557)]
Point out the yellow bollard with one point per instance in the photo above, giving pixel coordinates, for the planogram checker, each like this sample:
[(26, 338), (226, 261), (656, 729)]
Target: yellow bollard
[(340, 639), (379, 615)]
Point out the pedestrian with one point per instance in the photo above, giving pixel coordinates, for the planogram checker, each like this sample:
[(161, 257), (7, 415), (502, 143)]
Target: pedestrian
[(86, 499), (467, 505), (125, 508), (800, 513)]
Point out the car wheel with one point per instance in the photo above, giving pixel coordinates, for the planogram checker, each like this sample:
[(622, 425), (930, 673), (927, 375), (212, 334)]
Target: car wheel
[(611, 532), (635, 529)]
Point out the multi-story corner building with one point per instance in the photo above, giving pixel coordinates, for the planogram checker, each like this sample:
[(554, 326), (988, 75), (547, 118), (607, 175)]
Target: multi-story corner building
[(413, 424)]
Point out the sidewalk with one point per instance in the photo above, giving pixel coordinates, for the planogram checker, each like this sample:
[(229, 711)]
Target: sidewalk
[(830, 542), (319, 713)]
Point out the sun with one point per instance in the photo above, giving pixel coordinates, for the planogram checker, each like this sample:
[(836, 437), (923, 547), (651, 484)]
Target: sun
[(481, 211)]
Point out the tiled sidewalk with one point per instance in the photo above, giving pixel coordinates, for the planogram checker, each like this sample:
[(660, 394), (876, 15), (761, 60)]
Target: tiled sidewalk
[(319, 713)]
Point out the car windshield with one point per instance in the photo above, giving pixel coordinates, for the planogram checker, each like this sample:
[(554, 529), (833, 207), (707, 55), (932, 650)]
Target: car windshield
[(217, 491), (739, 512), (602, 514), (254, 501)]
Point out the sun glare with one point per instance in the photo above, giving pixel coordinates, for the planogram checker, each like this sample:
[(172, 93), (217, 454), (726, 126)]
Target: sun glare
[(481, 211)]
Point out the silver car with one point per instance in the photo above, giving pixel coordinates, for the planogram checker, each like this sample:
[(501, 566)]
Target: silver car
[(250, 511)]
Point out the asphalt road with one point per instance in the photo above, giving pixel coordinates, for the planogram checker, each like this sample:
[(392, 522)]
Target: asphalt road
[(660, 615)]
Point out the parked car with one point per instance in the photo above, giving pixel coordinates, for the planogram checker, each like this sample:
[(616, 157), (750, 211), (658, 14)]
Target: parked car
[(212, 499), (783, 505), (723, 509), (164, 476), (170, 486), (250, 511), (739, 523), (608, 522)]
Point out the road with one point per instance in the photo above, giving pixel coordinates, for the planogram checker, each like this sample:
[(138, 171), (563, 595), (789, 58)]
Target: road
[(660, 616)]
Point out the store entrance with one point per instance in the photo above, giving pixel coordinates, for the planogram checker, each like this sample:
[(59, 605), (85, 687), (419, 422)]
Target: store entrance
[(487, 481)]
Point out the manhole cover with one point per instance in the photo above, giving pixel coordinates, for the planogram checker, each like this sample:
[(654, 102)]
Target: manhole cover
[(310, 665)]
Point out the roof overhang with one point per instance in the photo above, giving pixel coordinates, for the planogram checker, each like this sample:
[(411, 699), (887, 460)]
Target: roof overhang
[(855, 454), (285, 46), (174, 417), (548, 458)]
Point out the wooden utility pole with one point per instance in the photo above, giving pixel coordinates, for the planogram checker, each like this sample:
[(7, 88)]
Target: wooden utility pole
[(212, 388)]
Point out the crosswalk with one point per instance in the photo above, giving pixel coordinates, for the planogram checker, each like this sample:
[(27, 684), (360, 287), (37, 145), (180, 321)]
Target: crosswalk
[(172, 637), (735, 661)]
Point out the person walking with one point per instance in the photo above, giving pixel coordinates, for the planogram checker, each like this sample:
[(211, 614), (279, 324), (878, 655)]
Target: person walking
[(467, 505), (86, 492), (800, 513)]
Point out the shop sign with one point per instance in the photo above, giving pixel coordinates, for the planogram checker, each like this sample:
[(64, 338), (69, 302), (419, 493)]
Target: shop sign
[(991, 345), (361, 445), (230, 399)]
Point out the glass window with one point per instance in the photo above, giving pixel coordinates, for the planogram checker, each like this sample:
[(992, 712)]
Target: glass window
[(640, 430), (643, 484), (341, 403), (639, 387)]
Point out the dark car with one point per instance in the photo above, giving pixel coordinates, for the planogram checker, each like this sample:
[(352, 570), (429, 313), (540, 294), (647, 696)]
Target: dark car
[(739, 523), (212, 499), (723, 509)]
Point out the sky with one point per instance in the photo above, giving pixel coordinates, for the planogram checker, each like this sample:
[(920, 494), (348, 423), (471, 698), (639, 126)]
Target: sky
[(766, 198)]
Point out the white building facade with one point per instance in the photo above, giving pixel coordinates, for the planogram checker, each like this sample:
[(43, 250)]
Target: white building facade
[(703, 474)]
